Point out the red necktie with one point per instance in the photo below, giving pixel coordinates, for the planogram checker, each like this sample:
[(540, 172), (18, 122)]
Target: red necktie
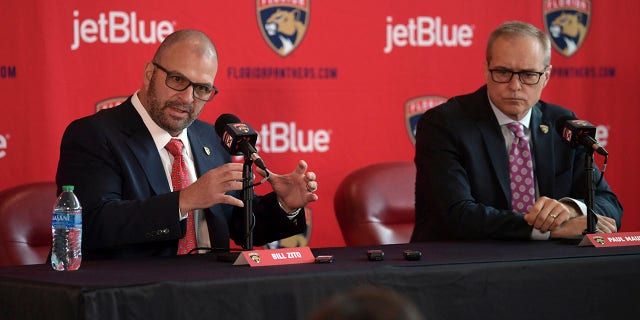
[(521, 171), (180, 180)]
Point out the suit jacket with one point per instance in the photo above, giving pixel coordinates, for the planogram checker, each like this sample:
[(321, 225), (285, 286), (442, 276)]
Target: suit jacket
[(462, 180), (128, 207)]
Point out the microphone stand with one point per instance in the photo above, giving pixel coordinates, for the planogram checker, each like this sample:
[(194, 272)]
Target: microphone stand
[(247, 198), (591, 215)]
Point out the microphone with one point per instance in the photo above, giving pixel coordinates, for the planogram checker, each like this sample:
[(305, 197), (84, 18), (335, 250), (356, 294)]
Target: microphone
[(238, 138), (579, 133)]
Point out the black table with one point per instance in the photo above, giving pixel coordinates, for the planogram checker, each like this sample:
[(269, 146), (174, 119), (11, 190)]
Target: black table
[(453, 280)]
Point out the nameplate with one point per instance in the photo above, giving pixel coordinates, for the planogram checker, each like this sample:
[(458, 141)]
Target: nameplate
[(275, 257), (605, 240)]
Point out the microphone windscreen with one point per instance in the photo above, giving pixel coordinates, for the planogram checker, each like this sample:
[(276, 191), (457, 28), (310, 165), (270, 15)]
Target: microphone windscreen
[(223, 120), (561, 123)]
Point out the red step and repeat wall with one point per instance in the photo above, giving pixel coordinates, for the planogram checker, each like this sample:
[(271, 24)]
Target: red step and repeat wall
[(335, 82)]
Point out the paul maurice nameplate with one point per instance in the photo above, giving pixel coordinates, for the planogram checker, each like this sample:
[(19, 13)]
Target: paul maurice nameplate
[(618, 239)]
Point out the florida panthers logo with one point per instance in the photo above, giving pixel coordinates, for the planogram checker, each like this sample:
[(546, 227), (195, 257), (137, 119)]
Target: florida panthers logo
[(568, 23), (413, 110), (110, 103), (283, 23)]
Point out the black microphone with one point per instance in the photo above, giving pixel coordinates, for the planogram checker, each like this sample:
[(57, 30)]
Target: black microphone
[(579, 133), (238, 138)]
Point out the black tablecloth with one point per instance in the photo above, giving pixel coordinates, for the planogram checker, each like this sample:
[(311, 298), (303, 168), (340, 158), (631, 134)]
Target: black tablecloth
[(453, 280)]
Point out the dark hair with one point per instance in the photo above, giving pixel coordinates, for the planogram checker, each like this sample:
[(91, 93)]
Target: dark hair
[(367, 303)]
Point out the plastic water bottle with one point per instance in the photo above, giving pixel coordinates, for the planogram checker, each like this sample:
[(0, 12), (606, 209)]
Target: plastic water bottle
[(66, 228)]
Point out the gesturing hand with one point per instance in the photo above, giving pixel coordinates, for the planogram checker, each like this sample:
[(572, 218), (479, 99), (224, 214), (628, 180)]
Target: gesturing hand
[(211, 187), (295, 189)]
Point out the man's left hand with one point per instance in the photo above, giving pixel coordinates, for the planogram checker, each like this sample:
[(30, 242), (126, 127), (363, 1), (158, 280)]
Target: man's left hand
[(296, 189), (548, 214)]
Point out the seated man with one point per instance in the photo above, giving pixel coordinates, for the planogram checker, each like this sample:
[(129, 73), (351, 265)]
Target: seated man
[(466, 187), (155, 181)]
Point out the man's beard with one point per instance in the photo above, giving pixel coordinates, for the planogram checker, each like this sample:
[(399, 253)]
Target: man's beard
[(157, 111)]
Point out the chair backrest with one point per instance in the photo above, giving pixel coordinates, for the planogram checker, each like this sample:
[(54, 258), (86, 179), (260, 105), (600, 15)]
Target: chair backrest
[(376, 204), (25, 223)]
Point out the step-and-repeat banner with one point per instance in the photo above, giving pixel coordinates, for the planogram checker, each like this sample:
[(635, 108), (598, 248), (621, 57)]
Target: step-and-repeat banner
[(337, 83)]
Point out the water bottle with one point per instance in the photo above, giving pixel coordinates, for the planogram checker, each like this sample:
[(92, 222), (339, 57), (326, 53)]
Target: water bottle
[(66, 227)]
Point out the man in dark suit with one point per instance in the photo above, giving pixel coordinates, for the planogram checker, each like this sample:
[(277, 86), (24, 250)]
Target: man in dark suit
[(463, 186), (117, 161)]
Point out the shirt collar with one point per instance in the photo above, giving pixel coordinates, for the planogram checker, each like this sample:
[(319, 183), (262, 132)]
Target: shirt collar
[(503, 119), (160, 136)]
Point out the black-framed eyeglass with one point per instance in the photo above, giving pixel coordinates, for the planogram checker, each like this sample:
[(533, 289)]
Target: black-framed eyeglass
[(178, 82), (525, 77)]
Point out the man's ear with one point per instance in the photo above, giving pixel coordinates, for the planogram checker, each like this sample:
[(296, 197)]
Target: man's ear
[(547, 75), (487, 74), (149, 68)]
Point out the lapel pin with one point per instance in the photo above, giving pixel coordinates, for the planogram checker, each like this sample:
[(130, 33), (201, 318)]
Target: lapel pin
[(544, 128), (207, 151)]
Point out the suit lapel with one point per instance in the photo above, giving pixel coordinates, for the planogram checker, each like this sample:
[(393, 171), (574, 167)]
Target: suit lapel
[(495, 145), (542, 151), (144, 149), (204, 150)]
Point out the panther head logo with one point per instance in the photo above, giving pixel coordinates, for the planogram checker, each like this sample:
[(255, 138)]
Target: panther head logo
[(255, 257), (283, 26), (568, 27)]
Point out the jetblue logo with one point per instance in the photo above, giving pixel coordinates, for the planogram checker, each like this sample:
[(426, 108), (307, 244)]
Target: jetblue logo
[(118, 27), (427, 32), (413, 110), (568, 23), (283, 23), (281, 137)]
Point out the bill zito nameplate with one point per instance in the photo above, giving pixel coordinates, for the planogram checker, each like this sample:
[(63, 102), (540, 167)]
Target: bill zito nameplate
[(274, 257)]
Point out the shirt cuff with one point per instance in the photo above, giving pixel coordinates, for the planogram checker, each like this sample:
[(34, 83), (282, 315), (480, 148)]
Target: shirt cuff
[(180, 216), (580, 204), (537, 235), (291, 215)]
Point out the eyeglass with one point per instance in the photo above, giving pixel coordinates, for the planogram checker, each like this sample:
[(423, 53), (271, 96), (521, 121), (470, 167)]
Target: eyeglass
[(525, 77), (178, 82)]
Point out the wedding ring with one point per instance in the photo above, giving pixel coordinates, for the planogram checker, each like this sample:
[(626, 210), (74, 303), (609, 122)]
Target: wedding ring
[(554, 216)]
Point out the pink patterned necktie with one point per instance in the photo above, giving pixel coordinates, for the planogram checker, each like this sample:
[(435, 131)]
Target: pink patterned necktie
[(521, 171), (180, 180)]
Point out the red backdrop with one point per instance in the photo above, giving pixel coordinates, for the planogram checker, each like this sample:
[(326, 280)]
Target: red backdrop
[(338, 98)]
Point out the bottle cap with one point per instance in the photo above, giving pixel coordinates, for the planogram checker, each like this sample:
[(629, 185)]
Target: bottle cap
[(67, 188)]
